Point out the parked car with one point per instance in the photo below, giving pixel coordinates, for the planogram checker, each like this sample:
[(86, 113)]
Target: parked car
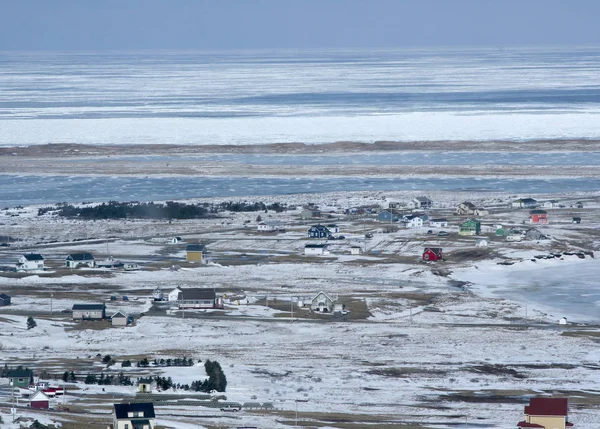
[(442, 234), (233, 408)]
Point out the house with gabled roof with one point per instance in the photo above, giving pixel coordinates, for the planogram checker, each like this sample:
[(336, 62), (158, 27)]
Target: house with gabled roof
[(195, 252), (39, 400), (146, 385), (198, 298), (20, 377), (421, 203), (76, 260), (466, 208), (120, 318), (268, 226), (318, 231), (470, 227), (138, 415), (316, 249), (432, 254), (539, 217), (322, 303), (546, 413), (89, 311), (30, 262)]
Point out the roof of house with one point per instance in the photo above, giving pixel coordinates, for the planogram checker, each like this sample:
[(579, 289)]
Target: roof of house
[(538, 212), (33, 257), (81, 256), (468, 205), (89, 307), (4, 296), (19, 373), (315, 246), (148, 380), (436, 250), (197, 293), (147, 408), (547, 407), (422, 199), (319, 228), (322, 293), (119, 314), (38, 396), (196, 248)]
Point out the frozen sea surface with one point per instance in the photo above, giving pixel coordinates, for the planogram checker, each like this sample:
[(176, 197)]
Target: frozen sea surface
[(25, 190), (321, 96)]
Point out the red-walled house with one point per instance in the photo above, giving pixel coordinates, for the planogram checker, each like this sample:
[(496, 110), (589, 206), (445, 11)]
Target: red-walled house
[(546, 413), (432, 254), (538, 217), (39, 400)]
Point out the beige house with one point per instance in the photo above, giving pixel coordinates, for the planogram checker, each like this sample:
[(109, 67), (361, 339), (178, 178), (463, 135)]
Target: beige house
[(546, 413), (195, 252), (120, 318)]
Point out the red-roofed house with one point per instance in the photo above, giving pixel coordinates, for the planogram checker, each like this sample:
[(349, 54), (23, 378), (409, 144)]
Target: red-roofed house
[(546, 413)]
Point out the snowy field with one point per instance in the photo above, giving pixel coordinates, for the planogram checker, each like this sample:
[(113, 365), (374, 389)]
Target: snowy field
[(427, 345)]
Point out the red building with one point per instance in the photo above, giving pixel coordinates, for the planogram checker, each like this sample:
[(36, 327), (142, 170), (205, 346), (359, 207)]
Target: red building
[(539, 217), (432, 254), (546, 413), (39, 400)]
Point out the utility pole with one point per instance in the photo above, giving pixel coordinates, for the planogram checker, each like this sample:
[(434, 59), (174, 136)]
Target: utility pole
[(51, 296)]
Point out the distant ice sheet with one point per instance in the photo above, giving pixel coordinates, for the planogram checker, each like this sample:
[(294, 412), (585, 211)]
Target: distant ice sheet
[(420, 126)]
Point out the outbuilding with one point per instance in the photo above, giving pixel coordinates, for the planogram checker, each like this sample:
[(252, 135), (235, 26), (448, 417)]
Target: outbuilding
[(120, 318), (89, 311), (39, 400), (431, 254), (316, 250), (195, 252)]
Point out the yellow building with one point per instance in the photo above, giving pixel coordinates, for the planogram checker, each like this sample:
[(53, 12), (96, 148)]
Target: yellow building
[(195, 252), (546, 413)]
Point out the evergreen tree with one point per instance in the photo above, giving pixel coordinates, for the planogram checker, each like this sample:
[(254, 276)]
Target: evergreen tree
[(31, 323)]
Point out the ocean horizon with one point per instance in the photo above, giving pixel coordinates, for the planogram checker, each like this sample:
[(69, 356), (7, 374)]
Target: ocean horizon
[(309, 96)]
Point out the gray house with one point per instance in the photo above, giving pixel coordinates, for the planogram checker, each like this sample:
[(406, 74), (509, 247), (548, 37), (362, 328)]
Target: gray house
[(89, 311)]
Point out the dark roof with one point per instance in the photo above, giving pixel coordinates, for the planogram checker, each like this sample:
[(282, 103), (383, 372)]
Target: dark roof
[(319, 228), (524, 424), (196, 248), (89, 306), (4, 296), (34, 257), (315, 246), (197, 293), (538, 212), (147, 408), (19, 373), (146, 380), (469, 205), (441, 219), (81, 256), (547, 407)]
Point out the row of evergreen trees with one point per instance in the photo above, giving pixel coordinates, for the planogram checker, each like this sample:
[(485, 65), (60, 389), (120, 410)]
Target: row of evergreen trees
[(168, 210)]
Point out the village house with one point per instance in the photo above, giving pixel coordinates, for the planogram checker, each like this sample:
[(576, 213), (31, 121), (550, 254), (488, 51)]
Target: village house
[(470, 227), (318, 231), (174, 294), (438, 223), (550, 204), (333, 228), (388, 216), (139, 415), (268, 226), (355, 250), (120, 318), (309, 213), (316, 250), (412, 221), (515, 235), (89, 311), (546, 413), (199, 298), (524, 203), (321, 303), (146, 385), (76, 260), (39, 401), (30, 262), (20, 377), (195, 252), (421, 203), (432, 254), (466, 208), (4, 299), (539, 217)]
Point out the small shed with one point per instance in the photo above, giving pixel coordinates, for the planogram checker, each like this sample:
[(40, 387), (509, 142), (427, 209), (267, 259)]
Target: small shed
[(195, 252), (174, 294), (355, 250), (39, 400), (89, 311), (120, 318), (146, 385), (4, 299), (322, 303), (431, 254)]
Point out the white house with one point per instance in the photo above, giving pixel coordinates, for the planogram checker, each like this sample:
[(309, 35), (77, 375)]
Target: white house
[(421, 203), (75, 260), (120, 318), (482, 242), (316, 250), (413, 221), (268, 226), (137, 415), (438, 223), (174, 294), (333, 228), (355, 250), (30, 262), (321, 303)]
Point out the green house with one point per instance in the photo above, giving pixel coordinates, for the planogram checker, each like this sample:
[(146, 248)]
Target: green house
[(20, 377), (500, 232), (470, 227)]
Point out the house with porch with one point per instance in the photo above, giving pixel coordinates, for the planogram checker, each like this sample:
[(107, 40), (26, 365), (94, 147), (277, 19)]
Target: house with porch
[(30, 262), (546, 413), (321, 303), (89, 311), (470, 227), (76, 260), (138, 415)]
